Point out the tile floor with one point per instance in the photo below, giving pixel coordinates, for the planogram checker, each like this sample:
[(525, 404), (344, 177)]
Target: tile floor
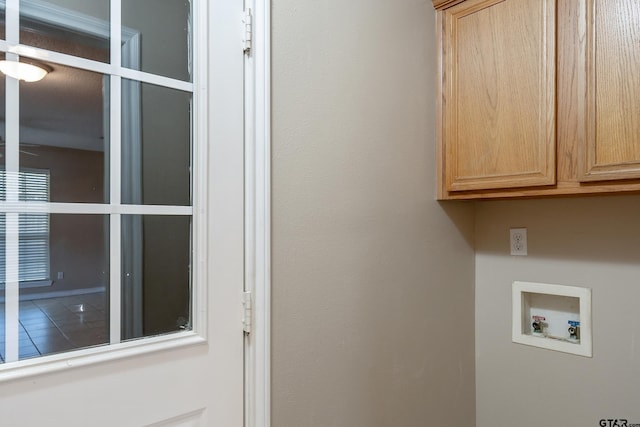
[(55, 325)]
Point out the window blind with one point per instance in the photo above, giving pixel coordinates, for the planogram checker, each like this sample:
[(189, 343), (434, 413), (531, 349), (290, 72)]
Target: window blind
[(33, 185)]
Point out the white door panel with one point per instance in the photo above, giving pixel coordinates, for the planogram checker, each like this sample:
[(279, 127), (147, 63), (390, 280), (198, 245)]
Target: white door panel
[(200, 384)]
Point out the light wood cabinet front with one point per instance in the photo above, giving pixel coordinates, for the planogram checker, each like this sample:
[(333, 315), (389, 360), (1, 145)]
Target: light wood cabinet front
[(499, 94), (612, 111), (538, 98)]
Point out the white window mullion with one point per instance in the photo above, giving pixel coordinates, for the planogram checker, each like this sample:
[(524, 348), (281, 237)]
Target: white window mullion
[(12, 166), (115, 154), (95, 66), (115, 291), (11, 292), (12, 227), (12, 18), (94, 208), (115, 180), (12, 133), (115, 184), (116, 33)]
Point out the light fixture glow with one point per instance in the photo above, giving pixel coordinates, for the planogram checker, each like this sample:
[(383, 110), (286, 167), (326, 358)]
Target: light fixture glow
[(23, 71)]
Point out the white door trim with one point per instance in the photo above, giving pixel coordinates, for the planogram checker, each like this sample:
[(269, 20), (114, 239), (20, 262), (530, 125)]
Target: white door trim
[(258, 228)]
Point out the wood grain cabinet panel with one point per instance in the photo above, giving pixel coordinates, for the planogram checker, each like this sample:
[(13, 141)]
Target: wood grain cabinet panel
[(538, 98), (612, 116), (500, 97)]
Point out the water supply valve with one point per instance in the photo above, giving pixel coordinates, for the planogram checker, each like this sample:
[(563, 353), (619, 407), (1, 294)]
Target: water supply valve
[(574, 330), (538, 324)]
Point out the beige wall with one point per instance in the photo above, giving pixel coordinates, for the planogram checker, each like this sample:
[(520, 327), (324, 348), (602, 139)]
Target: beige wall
[(372, 278), (97, 8), (590, 242), (77, 242)]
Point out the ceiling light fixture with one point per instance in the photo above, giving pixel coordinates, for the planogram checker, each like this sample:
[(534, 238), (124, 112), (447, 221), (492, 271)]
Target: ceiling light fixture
[(24, 71)]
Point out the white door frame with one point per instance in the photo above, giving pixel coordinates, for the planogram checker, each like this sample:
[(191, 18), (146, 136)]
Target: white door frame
[(258, 196), (258, 216)]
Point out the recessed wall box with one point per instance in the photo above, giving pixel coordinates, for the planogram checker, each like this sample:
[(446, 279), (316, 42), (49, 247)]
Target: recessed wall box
[(554, 317)]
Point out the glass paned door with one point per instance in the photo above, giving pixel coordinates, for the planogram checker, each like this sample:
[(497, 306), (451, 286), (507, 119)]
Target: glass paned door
[(149, 331)]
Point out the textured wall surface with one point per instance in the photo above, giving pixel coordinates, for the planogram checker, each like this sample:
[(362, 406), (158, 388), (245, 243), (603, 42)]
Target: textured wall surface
[(588, 242), (373, 294)]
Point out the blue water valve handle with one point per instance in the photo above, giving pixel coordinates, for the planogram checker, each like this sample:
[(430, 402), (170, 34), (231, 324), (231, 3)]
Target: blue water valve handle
[(574, 323)]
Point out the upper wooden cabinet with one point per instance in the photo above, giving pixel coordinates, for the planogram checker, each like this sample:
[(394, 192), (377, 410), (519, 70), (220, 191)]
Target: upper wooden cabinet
[(499, 99), (538, 97), (612, 141)]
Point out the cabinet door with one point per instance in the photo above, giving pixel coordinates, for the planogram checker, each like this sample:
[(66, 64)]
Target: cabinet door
[(499, 94), (611, 120)]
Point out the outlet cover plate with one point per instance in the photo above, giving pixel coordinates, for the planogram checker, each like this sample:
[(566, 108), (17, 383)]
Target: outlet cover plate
[(518, 241)]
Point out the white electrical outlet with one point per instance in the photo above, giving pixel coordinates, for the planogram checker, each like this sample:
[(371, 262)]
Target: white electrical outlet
[(518, 241)]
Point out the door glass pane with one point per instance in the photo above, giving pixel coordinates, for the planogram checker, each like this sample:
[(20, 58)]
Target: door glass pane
[(63, 130), (163, 30), (79, 28), (156, 275), (156, 145), (2, 21), (64, 281)]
